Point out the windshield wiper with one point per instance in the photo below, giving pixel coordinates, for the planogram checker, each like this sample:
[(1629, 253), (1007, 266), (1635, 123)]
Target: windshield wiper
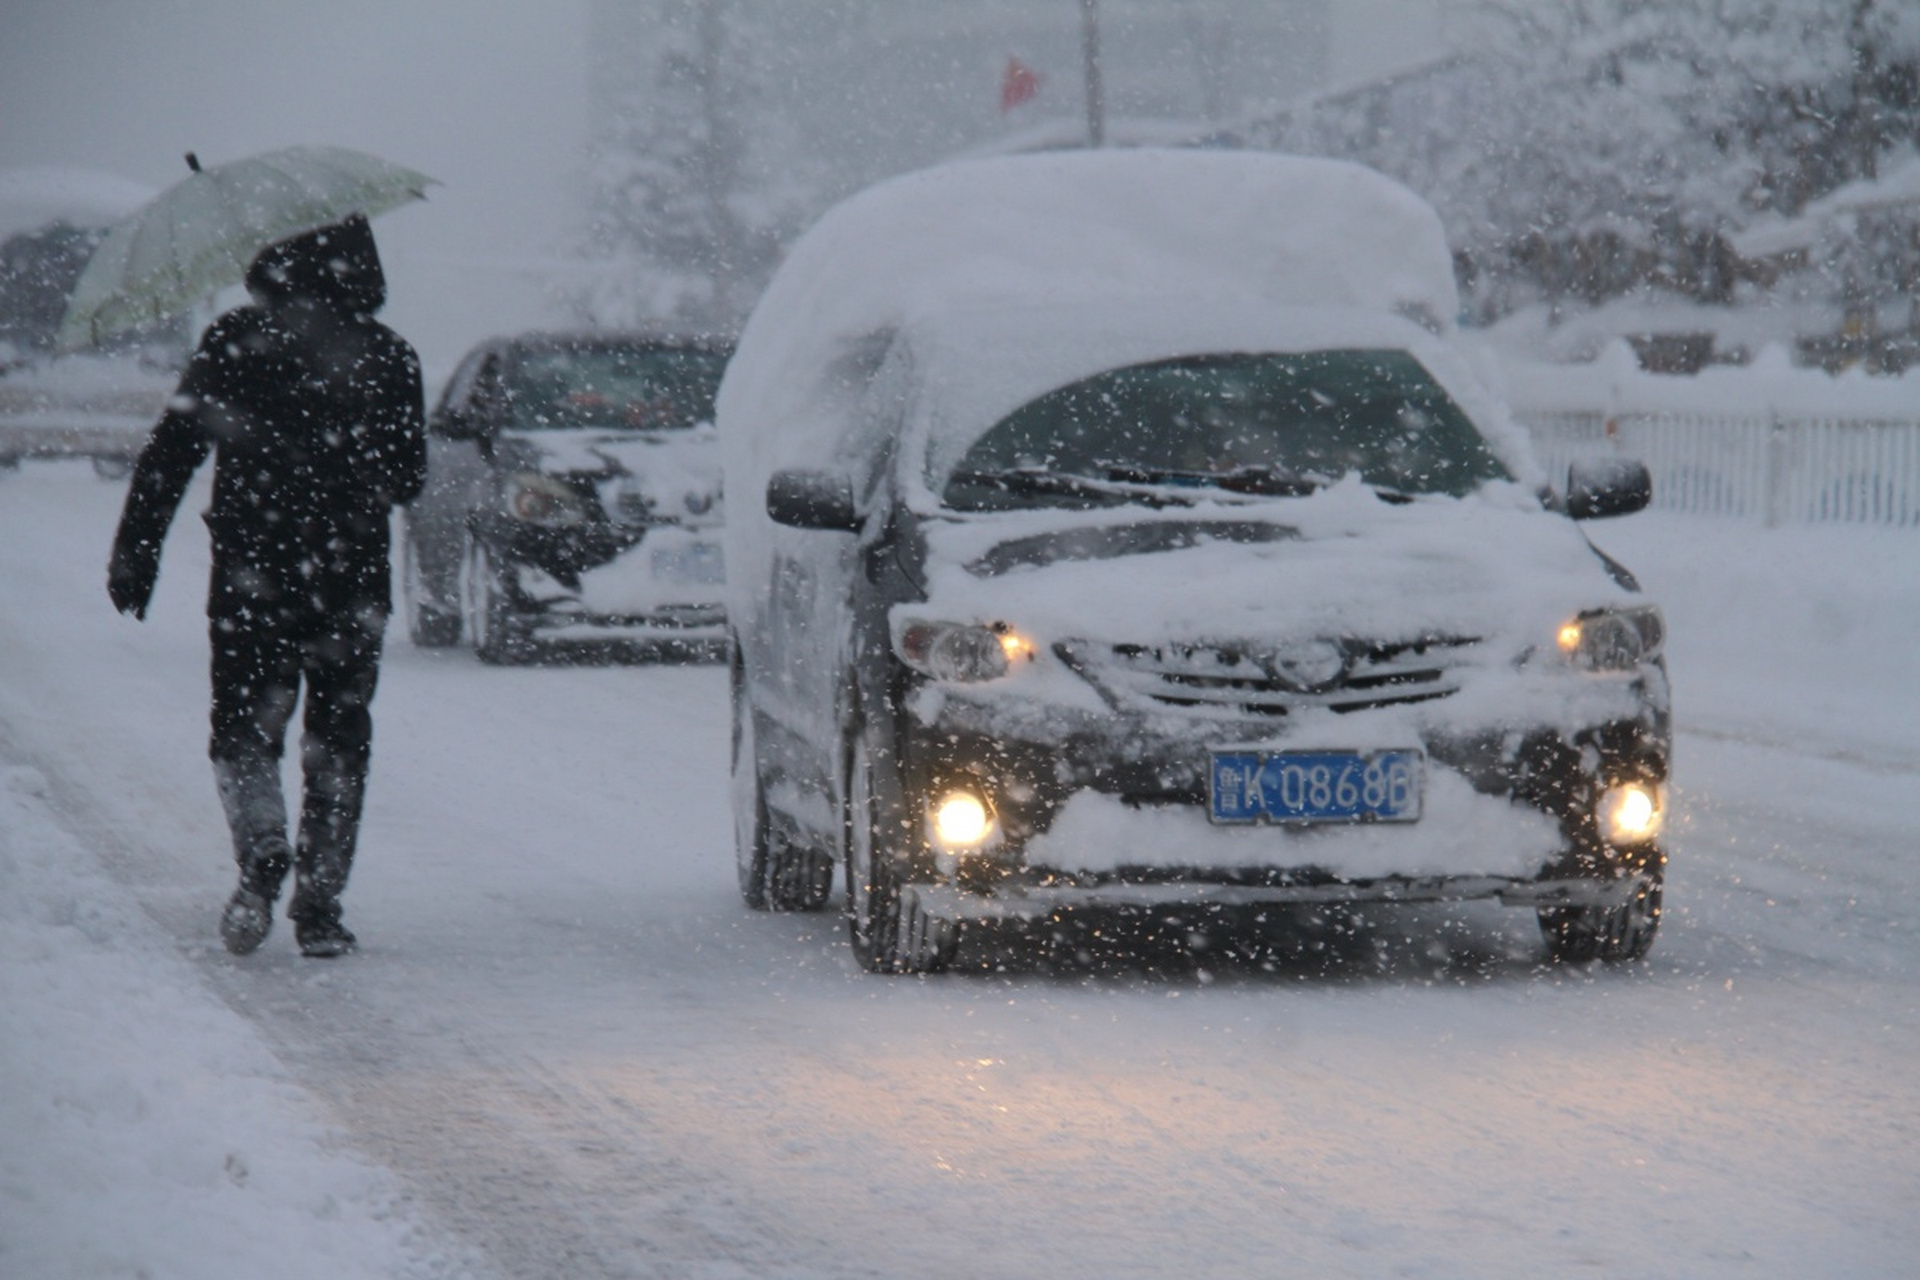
[(1259, 482), (1038, 481)]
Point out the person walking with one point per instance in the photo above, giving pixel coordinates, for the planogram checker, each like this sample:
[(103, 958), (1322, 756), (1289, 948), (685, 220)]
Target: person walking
[(315, 414)]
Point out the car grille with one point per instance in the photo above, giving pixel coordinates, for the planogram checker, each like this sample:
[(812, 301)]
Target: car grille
[(1229, 681)]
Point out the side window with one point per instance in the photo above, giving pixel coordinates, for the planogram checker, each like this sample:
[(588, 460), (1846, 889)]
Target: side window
[(487, 398), (458, 393)]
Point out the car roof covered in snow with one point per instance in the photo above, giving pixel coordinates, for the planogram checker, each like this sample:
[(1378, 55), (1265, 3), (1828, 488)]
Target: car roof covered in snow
[(1190, 230)]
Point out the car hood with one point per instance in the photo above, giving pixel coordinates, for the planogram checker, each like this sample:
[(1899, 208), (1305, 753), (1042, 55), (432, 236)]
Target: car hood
[(666, 474), (1342, 563)]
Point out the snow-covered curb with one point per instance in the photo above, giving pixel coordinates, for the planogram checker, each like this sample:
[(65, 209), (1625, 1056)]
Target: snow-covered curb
[(142, 1118)]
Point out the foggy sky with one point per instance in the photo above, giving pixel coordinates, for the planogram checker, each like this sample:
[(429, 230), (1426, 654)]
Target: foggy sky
[(488, 96)]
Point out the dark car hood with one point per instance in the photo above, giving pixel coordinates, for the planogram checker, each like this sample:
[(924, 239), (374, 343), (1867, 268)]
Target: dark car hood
[(672, 473)]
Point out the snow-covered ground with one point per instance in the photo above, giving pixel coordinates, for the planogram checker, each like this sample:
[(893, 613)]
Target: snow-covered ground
[(565, 1049)]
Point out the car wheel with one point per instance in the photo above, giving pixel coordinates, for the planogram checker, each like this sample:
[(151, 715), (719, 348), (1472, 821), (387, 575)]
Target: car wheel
[(890, 931), (1613, 934), (488, 611), (428, 627)]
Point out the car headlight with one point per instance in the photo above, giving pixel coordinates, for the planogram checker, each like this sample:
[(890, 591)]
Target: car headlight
[(1631, 813), (960, 819), (963, 652), (1613, 639), (537, 498)]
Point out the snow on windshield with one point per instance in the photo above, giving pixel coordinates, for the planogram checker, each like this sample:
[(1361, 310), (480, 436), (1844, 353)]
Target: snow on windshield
[(976, 365)]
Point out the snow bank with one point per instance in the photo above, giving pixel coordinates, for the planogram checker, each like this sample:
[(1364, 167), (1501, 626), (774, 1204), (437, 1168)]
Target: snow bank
[(148, 1131)]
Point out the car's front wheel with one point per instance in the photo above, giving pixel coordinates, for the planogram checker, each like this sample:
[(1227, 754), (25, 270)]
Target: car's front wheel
[(428, 625), (890, 930), (1609, 933), (488, 609), (774, 873)]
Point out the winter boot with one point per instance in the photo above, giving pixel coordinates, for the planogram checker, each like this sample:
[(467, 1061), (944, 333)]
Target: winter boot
[(257, 818), (318, 929), (329, 829)]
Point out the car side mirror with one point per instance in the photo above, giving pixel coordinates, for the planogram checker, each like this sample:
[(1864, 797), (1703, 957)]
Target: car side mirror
[(806, 499), (1601, 487)]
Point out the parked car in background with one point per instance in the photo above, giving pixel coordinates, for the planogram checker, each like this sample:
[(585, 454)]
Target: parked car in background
[(572, 500), (1124, 532), (97, 407)]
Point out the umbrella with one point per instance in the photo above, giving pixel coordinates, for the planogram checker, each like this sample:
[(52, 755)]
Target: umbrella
[(199, 235)]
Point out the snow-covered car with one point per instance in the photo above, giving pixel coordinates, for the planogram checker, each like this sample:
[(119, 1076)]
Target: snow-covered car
[(1127, 531), (572, 499)]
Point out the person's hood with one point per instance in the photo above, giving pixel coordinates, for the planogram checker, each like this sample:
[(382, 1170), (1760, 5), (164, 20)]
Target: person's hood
[(336, 266)]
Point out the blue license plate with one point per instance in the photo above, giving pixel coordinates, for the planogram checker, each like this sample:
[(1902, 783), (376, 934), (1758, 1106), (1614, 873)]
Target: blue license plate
[(1315, 786)]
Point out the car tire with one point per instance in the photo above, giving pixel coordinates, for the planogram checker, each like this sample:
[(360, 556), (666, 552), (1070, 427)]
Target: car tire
[(889, 929), (774, 874), (428, 627), (1610, 934), (489, 613)]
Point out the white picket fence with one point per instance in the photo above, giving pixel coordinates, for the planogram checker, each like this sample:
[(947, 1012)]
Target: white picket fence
[(1774, 467)]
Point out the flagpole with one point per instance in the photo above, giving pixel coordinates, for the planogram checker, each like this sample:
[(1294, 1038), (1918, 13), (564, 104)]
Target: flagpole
[(1096, 104)]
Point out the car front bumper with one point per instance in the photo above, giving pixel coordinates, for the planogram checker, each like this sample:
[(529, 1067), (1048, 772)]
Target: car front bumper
[(598, 585), (1108, 809), (1047, 897)]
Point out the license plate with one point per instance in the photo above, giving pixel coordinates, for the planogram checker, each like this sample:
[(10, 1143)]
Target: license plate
[(690, 564), (1315, 786)]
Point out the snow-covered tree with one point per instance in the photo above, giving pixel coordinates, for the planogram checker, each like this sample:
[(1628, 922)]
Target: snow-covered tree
[(695, 185), (1582, 149)]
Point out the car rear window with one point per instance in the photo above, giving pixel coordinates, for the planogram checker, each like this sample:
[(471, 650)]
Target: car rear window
[(1257, 423), (644, 389)]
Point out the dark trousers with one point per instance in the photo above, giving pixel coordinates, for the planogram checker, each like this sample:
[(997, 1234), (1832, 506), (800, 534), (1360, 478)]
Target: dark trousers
[(261, 665)]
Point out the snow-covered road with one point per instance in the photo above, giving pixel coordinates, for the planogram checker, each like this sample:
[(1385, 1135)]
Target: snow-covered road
[(566, 1049)]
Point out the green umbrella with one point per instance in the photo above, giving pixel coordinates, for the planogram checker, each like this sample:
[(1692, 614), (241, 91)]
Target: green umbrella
[(199, 235)]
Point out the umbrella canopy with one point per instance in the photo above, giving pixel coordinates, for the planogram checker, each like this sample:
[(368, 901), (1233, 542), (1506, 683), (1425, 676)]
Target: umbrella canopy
[(199, 235)]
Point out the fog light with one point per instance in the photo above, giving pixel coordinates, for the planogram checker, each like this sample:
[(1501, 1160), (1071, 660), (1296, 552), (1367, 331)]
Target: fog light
[(1630, 813), (1016, 646), (961, 820)]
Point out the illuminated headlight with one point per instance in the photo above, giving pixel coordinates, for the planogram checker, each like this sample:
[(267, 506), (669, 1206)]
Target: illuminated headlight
[(1613, 640), (1631, 813), (961, 820), (542, 500), (962, 652)]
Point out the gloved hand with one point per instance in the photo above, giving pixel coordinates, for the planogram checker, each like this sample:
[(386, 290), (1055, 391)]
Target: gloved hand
[(130, 576)]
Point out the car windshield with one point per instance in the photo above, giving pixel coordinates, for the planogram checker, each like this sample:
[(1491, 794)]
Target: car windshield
[(626, 388), (1255, 424)]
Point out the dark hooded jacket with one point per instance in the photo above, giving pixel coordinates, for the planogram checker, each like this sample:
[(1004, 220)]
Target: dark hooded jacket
[(314, 412)]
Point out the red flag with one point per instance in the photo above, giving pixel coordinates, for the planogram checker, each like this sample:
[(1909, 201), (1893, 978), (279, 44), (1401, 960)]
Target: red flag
[(1019, 84)]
